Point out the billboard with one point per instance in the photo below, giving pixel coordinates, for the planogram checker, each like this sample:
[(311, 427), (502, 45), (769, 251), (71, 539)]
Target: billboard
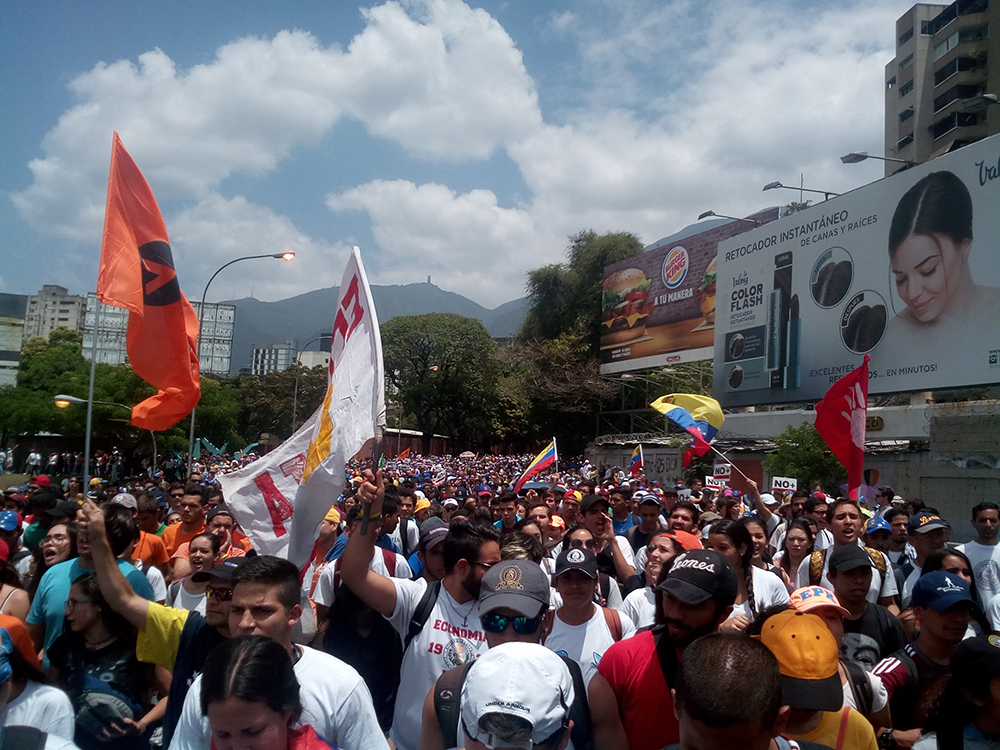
[(659, 307), (905, 270)]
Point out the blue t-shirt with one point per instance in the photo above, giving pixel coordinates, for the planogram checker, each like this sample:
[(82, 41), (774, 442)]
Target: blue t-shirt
[(49, 605), (337, 549), (622, 527)]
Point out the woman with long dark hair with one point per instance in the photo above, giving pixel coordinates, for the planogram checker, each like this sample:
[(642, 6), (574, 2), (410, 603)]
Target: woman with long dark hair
[(955, 562), (250, 695), (94, 662), (58, 545), (757, 589), (14, 599), (796, 547)]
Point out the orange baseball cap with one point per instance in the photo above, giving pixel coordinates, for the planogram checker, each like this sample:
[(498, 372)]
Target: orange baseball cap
[(557, 522), (808, 657), (809, 598)]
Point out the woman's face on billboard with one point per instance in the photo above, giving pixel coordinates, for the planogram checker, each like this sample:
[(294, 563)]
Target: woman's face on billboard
[(928, 271)]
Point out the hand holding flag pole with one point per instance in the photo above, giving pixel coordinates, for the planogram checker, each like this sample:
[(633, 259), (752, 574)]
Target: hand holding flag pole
[(366, 509)]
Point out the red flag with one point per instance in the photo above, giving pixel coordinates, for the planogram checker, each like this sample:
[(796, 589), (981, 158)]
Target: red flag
[(840, 421), (137, 274)]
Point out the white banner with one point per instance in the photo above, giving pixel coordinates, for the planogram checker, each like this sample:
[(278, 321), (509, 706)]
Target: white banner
[(784, 484), (354, 403), (722, 471), (261, 494), (714, 484)]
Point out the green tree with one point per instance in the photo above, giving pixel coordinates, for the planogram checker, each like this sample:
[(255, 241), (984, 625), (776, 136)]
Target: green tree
[(267, 404), (565, 298), (443, 369), (801, 453)]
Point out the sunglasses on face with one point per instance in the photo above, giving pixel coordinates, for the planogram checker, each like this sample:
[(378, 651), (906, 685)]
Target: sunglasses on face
[(494, 623), (579, 543), (222, 595)]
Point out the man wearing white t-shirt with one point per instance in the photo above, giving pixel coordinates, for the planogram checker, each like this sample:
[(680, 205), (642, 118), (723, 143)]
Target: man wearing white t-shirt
[(614, 553), (451, 633), (582, 630), (984, 552), (335, 700), (844, 521)]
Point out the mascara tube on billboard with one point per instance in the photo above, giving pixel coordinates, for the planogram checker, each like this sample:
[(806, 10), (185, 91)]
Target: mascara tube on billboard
[(775, 343), (792, 370)]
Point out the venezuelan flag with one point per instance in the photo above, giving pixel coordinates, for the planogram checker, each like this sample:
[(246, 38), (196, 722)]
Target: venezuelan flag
[(635, 465), (544, 459), (700, 416)]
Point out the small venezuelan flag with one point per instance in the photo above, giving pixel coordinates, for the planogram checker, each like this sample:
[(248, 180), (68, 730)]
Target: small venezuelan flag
[(635, 465), (544, 459)]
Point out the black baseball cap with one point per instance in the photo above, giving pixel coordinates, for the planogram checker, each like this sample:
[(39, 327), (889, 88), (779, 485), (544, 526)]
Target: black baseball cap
[(592, 501), (699, 575), (849, 557), (219, 510), (224, 570), (64, 508), (520, 585), (577, 559)]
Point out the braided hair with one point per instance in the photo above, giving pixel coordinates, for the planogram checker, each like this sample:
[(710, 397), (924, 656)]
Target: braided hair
[(740, 537)]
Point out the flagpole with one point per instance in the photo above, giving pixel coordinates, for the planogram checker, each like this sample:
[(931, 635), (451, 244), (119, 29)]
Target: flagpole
[(90, 397), (729, 460), (555, 452)]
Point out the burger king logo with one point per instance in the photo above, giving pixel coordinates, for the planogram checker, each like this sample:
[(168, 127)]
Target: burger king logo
[(675, 267)]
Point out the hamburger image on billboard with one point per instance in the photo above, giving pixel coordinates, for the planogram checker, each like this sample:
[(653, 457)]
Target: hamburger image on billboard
[(625, 306)]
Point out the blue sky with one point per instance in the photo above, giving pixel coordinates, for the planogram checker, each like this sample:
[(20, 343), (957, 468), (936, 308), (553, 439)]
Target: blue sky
[(461, 141)]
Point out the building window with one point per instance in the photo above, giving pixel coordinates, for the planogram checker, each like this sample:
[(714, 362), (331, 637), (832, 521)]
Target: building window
[(942, 49), (906, 114), (907, 36), (906, 88), (954, 93), (925, 28), (890, 83), (906, 62)]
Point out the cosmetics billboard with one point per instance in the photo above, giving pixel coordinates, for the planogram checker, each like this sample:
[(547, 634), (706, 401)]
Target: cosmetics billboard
[(906, 270), (658, 308)]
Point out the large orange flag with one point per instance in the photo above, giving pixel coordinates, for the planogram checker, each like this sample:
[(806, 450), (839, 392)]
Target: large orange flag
[(137, 274)]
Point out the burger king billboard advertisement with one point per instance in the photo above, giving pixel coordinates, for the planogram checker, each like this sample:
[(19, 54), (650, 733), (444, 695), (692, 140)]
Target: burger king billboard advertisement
[(659, 307), (905, 270)]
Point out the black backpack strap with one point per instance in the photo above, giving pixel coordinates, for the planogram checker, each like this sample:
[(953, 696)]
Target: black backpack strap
[(581, 734), (604, 587), (666, 655), (447, 697), (422, 612), (23, 738), (864, 696)]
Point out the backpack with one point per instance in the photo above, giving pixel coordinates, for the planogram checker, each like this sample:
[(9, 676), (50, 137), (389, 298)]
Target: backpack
[(864, 696), (23, 738), (448, 694), (818, 560)]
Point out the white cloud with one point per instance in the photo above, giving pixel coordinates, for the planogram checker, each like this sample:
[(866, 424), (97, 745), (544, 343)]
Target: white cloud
[(466, 242), (684, 107), (217, 230)]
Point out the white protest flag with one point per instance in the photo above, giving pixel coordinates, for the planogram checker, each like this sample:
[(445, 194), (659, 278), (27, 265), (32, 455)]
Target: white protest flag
[(353, 405), (260, 494)]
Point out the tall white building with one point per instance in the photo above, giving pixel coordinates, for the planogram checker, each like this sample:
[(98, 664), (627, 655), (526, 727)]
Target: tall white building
[(12, 312), (53, 307), (272, 357), (215, 348)]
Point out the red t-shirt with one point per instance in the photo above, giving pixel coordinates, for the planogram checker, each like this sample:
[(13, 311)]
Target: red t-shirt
[(633, 670)]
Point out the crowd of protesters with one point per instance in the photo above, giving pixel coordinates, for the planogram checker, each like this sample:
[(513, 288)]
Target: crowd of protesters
[(441, 610)]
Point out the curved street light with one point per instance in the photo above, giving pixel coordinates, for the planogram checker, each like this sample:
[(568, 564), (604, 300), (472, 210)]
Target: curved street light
[(63, 401), (856, 157), (286, 256), (707, 214), (774, 185)]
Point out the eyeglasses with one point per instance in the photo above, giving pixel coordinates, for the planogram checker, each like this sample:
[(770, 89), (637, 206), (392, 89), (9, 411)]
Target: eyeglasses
[(484, 566), (578, 543), (494, 623), (223, 595), (71, 603)]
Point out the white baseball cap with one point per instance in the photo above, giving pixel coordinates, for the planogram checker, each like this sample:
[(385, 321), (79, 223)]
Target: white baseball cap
[(769, 499), (526, 680)]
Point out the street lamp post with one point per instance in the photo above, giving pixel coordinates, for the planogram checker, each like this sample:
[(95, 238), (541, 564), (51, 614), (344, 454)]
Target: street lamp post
[(295, 395), (707, 214), (859, 156), (201, 319), (774, 185), (63, 401)]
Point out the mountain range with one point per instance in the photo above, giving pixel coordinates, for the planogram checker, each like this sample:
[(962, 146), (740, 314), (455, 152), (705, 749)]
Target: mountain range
[(308, 316)]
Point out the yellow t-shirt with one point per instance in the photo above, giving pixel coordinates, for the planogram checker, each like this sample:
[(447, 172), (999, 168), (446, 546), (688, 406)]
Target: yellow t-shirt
[(159, 640), (858, 734)]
